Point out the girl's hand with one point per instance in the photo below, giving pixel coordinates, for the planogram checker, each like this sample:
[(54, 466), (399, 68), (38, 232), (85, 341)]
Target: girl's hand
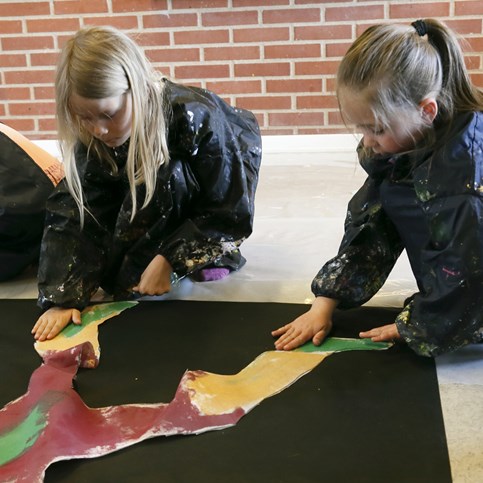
[(386, 333), (314, 324), (52, 321), (156, 279)]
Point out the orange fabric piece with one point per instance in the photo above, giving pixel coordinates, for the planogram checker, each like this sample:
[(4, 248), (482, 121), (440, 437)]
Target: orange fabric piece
[(49, 164)]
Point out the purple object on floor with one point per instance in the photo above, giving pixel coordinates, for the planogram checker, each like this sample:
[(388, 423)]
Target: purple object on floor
[(211, 274)]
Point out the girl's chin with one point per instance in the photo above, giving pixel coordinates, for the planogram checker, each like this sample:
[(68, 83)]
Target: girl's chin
[(114, 143)]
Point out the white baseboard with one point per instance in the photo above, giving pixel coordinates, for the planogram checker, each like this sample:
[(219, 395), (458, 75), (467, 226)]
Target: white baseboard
[(285, 150)]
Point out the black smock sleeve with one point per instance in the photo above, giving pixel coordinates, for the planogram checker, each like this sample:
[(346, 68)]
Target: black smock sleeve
[(215, 152), (369, 249), (72, 259)]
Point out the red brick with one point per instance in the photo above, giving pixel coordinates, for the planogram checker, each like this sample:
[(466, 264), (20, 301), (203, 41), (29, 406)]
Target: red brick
[(305, 2), (330, 85), (53, 25), (277, 132), (48, 124), (294, 51), (14, 93), (67, 7), (337, 50), (151, 38), (296, 118), (2, 110), (264, 69), (265, 103), (240, 17), (202, 71), (468, 8), (173, 55), (120, 6), (197, 37), (31, 108), (291, 15), (474, 44), (24, 9), (232, 53), (44, 92), (13, 60), (318, 67), (258, 3), (335, 118), (323, 32), (477, 79), (362, 27), (294, 85), (472, 62), (235, 87), (21, 125), (27, 43), (124, 22), (170, 20), (30, 77), (261, 34), (354, 13), (465, 26), (10, 26), (199, 4), (44, 59), (419, 10), (317, 102)]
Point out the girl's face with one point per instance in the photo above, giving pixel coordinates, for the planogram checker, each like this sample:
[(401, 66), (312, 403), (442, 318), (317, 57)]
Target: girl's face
[(108, 119), (396, 139)]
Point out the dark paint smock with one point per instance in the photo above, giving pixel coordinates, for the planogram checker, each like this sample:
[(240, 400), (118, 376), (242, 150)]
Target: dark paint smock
[(201, 211), (431, 204)]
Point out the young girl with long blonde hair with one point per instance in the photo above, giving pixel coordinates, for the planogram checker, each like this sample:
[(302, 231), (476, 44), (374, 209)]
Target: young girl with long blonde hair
[(160, 180)]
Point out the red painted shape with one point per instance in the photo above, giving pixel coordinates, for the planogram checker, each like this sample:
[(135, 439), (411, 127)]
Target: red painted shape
[(76, 431)]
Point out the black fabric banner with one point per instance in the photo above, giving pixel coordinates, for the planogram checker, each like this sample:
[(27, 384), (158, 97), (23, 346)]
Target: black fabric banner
[(358, 417)]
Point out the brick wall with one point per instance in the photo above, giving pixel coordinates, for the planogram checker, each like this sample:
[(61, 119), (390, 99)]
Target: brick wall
[(277, 58)]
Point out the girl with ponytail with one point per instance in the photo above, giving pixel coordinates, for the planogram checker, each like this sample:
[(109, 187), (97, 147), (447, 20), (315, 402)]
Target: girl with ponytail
[(407, 91)]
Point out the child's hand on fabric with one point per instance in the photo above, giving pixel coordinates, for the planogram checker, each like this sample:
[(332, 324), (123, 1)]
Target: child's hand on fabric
[(52, 321), (313, 325), (156, 279), (385, 333)]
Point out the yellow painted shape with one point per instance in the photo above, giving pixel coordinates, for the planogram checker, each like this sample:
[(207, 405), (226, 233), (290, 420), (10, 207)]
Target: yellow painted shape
[(270, 373), (88, 333)]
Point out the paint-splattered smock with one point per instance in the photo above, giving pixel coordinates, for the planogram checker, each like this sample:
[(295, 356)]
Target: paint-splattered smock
[(431, 204), (201, 211)]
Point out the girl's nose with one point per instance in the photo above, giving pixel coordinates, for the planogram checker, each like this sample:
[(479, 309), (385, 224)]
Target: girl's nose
[(99, 129)]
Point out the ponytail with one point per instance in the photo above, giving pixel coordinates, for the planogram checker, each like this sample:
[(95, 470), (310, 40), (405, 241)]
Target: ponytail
[(457, 93)]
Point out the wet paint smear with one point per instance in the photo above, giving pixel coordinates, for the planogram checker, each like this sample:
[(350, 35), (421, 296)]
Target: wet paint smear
[(339, 344)]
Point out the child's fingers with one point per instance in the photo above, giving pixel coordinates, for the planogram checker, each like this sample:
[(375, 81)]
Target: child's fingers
[(279, 331), (76, 317)]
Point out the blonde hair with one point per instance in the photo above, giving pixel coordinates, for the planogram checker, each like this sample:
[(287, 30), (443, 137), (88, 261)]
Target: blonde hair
[(395, 68), (101, 62)]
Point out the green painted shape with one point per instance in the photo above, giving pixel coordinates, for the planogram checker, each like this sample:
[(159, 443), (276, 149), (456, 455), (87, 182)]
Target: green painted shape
[(23, 436), (338, 344), (100, 311)]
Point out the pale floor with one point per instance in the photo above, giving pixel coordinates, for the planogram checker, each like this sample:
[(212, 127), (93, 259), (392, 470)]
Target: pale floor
[(300, 207)]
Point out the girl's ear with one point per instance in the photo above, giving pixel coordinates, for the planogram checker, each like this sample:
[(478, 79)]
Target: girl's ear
[(429, 109)]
